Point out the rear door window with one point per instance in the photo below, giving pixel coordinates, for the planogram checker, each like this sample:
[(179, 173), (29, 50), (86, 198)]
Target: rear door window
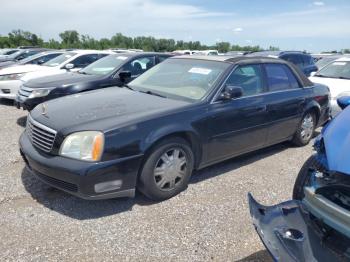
[(280, 77)]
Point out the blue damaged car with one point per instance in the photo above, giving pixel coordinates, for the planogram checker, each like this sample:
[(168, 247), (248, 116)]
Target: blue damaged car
[(315, 225)]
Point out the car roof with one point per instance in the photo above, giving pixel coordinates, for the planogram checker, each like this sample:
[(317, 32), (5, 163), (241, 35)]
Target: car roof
[(233, 59), (80, 51), (276, 53), (134, 54)]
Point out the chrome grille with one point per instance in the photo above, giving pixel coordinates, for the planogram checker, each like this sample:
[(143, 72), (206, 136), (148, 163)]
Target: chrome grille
[(41, 136), (25, 91)]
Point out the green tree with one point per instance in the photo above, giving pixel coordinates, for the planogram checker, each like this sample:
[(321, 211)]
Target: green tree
[(70, 38)]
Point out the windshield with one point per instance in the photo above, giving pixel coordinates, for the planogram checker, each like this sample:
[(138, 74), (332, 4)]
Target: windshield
[(336, 69), (33, 57), (184, 79), (105, 65), (59, 59)]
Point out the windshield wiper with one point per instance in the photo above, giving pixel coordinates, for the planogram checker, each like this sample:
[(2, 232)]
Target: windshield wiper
[(152, 93), (319, 75), (343, 77), (128, 87)]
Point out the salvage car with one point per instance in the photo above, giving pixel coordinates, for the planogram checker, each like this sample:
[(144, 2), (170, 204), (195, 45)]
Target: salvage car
[(113, 70), (336, 76), (11, 78), (183, 114), (315, 226)]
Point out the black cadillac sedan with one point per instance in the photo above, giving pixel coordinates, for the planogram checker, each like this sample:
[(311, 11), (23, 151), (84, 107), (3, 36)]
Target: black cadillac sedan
[(185, 113)]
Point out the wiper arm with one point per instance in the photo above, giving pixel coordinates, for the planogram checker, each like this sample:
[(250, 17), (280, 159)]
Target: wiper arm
[(128, 87), (152, 93), (343, 77), (319, 75)]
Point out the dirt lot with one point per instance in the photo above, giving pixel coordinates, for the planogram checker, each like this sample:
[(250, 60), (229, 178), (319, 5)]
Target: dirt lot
[(209, 221)]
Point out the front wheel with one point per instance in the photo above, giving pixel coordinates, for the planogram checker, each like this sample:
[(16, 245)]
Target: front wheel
[(167, 169), (304, 176), (305, 130)]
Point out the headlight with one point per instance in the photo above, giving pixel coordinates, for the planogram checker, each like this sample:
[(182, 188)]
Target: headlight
[(86, 145), (40, 92), (11, 77)]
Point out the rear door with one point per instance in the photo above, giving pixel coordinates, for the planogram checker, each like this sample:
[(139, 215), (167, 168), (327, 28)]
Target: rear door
[(239, 125), (286, 101)]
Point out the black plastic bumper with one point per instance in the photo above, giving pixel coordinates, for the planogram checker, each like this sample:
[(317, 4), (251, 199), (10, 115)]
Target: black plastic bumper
[(80, 178), (27, 103), (290, 233)]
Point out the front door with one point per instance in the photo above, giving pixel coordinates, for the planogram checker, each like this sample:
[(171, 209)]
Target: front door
[(239, 125)]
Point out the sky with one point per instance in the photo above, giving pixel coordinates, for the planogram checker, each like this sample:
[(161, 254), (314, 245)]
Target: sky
[(288, 24)]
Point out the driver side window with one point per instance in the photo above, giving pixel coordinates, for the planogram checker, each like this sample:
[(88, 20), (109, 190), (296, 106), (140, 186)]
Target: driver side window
[(249, 78), (139, 66)]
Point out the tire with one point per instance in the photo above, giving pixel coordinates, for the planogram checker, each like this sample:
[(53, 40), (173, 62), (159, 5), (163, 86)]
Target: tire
[(306, 130), (303, 178), (167, 169)]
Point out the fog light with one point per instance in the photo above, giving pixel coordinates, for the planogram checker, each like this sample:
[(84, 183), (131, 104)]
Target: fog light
[(108, 186)]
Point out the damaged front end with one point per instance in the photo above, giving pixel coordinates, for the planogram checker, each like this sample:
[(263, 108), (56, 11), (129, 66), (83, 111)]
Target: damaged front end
[(315, 226)]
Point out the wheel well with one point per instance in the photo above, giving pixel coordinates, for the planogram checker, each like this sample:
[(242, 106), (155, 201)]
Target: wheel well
[(316, 112), (189, 137)]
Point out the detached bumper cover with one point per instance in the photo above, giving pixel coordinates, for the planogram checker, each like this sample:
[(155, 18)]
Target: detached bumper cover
[(80, 178), (290, 233)]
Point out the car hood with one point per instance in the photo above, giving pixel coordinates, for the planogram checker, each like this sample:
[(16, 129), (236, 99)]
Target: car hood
[(7, 64), (102, 110), (43, 71), (336, 86), (336, 137), (19, 69), (58, 80)]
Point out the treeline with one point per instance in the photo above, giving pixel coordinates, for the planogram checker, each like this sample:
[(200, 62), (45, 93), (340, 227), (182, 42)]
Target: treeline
[(72, 39)]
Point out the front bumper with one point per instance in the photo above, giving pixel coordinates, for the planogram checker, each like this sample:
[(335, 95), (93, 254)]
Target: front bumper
[(27, 103), (9, 89), (80, 178), (290, 233)]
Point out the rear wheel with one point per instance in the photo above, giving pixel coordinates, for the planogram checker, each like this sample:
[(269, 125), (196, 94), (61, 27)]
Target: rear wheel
[(167, 169), (305, 129)]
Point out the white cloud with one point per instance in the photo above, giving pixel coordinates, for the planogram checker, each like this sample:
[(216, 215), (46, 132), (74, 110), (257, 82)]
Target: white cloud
[(237, 29), (318, 3)]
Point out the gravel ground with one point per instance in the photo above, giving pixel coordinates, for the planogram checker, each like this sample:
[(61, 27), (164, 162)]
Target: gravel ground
[(209, 221)]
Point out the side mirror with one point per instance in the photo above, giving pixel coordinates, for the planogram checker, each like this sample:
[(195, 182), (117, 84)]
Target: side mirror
[(231, 92), (69, 66), (343, 102), (124, 76)]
